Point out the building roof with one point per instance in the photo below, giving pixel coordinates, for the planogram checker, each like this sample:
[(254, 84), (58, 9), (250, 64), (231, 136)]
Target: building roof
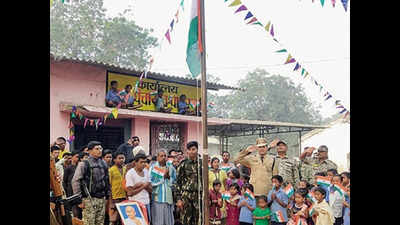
[(151, 75), (312, 133)]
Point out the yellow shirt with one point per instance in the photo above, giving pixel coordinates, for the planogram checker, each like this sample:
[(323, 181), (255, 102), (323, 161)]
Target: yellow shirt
[(221, 175), (117, 191), (60, 156)]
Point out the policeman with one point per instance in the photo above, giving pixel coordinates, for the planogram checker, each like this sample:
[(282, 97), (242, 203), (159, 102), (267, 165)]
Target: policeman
[(189, 186), (287, 167), (320, 163)]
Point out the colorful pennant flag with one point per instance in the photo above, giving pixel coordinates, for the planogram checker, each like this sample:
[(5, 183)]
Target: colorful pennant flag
[(84, 124), (278, 215), (272, 30), (290, 59), (347, 114), (344, 110), (329, 96), (176, 15), (235, 3), (302, 71), (183, 9), (333, 3), (167, 36), (114, 112), (324, 181), (322, 2), (158, 172), (289, 190), (249, 14), (194, 42), (249, 194), (172, 25), (241, 8), (305, 75), (344, 2), (226, 195), (257, 23), (296, 67), (252, 20), (267, 26), (282, 50)]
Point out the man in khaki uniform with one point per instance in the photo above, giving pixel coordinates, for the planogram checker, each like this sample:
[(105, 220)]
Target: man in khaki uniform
[(321, 163), (260, 165), (287, 168)]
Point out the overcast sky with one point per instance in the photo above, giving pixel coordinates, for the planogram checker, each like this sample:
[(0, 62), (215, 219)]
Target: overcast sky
[(317, 37)]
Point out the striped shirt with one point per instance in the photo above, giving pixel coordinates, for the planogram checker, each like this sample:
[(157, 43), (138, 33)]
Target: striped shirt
[(162, 191), (335, 202)]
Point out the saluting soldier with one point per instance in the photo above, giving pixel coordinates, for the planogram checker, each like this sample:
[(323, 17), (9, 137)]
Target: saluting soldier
[(287, 167), (189, 186), (306, 171), (320, 163)]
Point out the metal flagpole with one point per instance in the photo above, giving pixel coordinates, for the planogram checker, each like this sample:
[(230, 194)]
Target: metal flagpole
[(204, 116)]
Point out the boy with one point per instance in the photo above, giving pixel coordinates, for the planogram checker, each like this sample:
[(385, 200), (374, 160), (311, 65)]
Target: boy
[(278, 200), (107, 157), (113, 98), (336, 200), (159, 102), (323, 214), (183, 108), (215, 202), (127, 98), (247, 206), (116, 173)]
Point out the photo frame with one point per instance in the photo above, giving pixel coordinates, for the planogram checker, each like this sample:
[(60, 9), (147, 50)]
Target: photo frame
[(131, 213)]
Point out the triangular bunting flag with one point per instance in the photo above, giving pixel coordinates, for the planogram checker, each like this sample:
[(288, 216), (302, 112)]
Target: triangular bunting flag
[(168, 37), (337, 102), (339, 106), (327, 93), (329, 96), (316, 83), (258, 23), (176, 15), (249, 14), (305, 75), (302, 71), (275, 40), (96, 122), (296, 67), (267, 26), (346, 115), (344, 110), (344, 2), (290, 59), (105, 118), (241, 8), (114, 112), (84, 124), (235, 3), (322, 2), (172, 25), (252, 20), (282, 50), (272, 30), (333, 3), (91, 122), (182, 6)]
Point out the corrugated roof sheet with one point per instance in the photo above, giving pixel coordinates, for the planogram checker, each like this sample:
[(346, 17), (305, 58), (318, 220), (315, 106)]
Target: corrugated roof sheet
[(153, 75)]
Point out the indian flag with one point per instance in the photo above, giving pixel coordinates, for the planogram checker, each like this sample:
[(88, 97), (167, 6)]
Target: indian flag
[(298, 221), (278, 216), (289, 191), (311, 210), (225, 168), (169, 162), (157, 172), (339, 188), (226, 195), (249, 194), (324, 181), (194, 46), (311, 197)]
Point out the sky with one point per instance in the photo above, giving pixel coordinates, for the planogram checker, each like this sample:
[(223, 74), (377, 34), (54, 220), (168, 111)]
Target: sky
[(318, 37)]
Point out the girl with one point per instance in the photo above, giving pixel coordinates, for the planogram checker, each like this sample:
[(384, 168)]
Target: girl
[(215, 173), (232, 209), (262, 213), (246, 206), (346, 210), (234, 177), (323, 214), (215, 203), (299, 209)]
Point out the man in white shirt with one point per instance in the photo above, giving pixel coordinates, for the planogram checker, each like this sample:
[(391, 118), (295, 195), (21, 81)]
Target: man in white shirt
[(138, 182), (336, 200)]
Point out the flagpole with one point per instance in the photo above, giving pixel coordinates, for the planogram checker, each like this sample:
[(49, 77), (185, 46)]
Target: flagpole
[(204, 115)]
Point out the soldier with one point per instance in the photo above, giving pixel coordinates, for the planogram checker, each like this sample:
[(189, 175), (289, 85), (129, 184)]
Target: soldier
[(189, 186), (320, 163), (287, 168), (306, 171)]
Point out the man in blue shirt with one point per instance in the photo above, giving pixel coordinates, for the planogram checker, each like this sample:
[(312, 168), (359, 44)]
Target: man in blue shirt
[(278, 200), (112, 98)]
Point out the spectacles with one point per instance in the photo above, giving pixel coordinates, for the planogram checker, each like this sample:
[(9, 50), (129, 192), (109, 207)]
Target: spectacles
[(98, 148)]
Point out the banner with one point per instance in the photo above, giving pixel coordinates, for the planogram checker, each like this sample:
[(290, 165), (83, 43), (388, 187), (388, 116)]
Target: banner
[(172, 91)]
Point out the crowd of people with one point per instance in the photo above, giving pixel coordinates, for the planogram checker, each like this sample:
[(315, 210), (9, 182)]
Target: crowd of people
[(255, 187)]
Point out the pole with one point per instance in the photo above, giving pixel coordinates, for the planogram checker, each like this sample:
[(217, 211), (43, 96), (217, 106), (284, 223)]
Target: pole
[(204, 116)]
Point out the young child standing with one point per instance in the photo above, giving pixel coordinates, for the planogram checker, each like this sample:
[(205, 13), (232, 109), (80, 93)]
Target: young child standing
[(278, 200), (299, 209), (336, 200), (247, 204), (215, 203), (262, 213), (322, 214), (234, 177), (232, 209)]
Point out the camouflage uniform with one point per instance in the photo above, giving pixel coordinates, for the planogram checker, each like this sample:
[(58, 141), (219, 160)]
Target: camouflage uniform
[(94, 211), (317, 166), (306, 172), (187, 189), (287, 169)]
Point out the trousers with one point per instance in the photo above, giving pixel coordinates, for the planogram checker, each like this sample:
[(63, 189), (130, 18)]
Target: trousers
[(94, 211)]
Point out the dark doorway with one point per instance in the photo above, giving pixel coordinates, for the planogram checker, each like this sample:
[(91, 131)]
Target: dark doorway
[(166, 135), (110, 137)]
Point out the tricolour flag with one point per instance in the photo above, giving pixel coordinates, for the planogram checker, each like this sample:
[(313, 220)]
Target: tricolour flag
[(194, 47), (278, 215), (289, 190), (310, 196), (249, 194), (169, 162), (226, 195), (158, 172), (311, 210), (339, 188), (324, 181), (225, 168)]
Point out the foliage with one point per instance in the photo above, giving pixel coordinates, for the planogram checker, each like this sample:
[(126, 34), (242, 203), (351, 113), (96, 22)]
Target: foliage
[(80, 29)]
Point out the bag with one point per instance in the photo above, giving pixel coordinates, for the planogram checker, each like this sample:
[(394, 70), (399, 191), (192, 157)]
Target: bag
[(73, 200)]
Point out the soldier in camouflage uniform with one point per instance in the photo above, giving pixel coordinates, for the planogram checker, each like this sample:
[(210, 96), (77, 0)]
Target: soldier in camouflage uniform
[(189, 186), (306, 171), (318, 164), (286, 167)]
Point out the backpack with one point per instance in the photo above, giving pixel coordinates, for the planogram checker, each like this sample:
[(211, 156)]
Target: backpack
[(88, 178)]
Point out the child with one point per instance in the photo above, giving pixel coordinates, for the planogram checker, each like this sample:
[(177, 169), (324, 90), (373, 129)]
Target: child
[(116, 173), (323, 214), (245, 178), (246, 206), (232, 209), (112, 98), (234, 177), (183, 108), (215, 203), (346, 208), (345, 179), (299, 209), (303, 184), (278, 200), (262, 213), (336, 200), (159, 102), (127, 98)]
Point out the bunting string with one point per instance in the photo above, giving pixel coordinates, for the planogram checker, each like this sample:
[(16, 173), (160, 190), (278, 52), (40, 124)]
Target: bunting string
[(269, 28)]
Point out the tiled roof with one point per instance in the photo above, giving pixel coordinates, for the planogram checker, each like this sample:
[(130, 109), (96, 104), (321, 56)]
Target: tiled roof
[(153, 75)]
